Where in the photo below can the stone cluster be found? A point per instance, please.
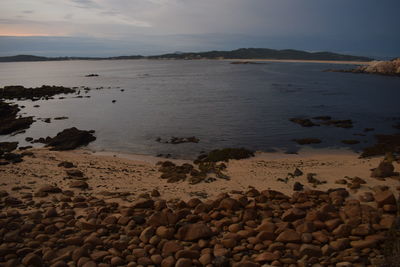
(253, 228)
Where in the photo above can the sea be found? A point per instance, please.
(134, 103)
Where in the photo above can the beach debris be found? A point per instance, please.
(92, 75)
(179, 140)
(69, 139)
(307, 141)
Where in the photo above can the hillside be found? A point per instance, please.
(263, 53)
(242, 53)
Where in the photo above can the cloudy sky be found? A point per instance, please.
(126, 27)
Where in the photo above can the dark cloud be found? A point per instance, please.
(28, 11)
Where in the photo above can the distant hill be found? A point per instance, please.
(242, 53)
(263, 53)
(30, 58)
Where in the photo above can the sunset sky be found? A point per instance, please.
(126, 27)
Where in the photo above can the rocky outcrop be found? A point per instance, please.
(390, 68)
(10, 122)
(70, 139)
(21, 92)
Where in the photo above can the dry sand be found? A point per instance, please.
(109, 173)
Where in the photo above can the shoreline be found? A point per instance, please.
(137, 174)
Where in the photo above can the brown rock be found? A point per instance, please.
(361, 244)
(32, 259)
(171, 247)
(79, 184)
(205, 259)
(146, 234)
(143, 204)
(183, 263)
(187, 253)
(49, 189)
(289, 235)
(310, 251)
(293, 214)
(384, 198)
(229, 204)
(191, 232)
(384, 169)
(267, 256)
(168, 262)
(98, 255)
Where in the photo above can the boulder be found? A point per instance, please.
(191, 232)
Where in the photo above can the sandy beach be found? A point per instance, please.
(133, 175)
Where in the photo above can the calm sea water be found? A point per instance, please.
(224, 105)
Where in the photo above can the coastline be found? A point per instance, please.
(133, 175)
(301, 61)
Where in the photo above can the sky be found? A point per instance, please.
(148, 27)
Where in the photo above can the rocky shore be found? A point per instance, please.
(79, 209)
(389, 68)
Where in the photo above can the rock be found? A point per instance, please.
(267, 256)
(297, 172)
(384, 198)
(303, 122)
(70, 139)
(293, 214)
(8, 146)
(307, 141)
(298, 186)
(171, 247)
(384, 169)
(32, 259)
(143, 204)
(98, 255)
(361, 244)
(191, 232)
(168, 262)
(229, 204)
(310, 251)
(205, 259)
(147, 234)
(79, 184)
(289, 235)
(74, 173)
(49, 189)
(183, 263)
(66, 164)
